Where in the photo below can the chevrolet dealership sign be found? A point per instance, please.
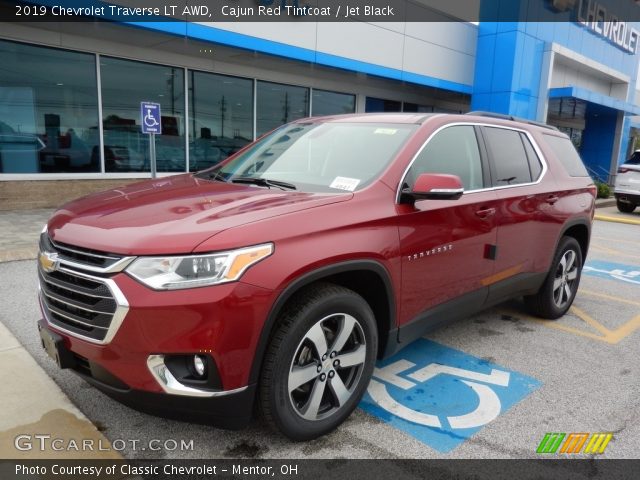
(597, 18)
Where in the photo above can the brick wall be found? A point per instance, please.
(24, 195)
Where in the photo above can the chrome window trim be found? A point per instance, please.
(536, 148)
(170, 385)
(122, 308)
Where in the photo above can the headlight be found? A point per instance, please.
(172, 273)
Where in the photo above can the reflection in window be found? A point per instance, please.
(382, 105)
(278, 104)
(453, 151)
(48, 110)
(220, 117)
(509, 157)
(124, 85)
(416, 108)
(332, 103)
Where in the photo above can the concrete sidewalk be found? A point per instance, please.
(32, 404)
(19, 230)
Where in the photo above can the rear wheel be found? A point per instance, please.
(625, 207)
(318, 363)
(559, 289)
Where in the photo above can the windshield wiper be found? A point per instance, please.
(263, 182)
(210, 176)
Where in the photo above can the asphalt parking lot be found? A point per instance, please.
(490, 386)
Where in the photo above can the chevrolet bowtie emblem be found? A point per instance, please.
(48, 261)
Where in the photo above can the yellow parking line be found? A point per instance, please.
(607, 218)
(605, 335)
(608, 297)
(616, 253)
(615, 240)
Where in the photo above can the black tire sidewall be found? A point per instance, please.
(284, 415)
(625, 207)
(567, 243)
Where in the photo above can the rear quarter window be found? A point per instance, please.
(567, 155)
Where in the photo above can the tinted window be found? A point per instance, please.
(332, 103)
(534, 162)
(48, 110)
(381, 105)
(220, 117)
(453, 150)
(510, 164)
(278, 104)
(566, 153)
(124, 85)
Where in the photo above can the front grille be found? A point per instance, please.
(76, 292)
(81, 305)
(84, 256)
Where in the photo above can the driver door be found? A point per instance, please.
(447, 245)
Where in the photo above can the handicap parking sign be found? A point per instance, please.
(150, 117)
(442, 396)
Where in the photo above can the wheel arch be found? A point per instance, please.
(580, 229)
(368, 278)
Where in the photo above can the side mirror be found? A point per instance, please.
(435, 186)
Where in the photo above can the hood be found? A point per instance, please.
(172, 215)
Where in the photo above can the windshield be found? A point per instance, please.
(317, 157)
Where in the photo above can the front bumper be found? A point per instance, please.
(223, 322)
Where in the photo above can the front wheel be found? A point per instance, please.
(625, 207)
(319, 362)
(561, 285)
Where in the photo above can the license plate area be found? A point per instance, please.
(53, 344)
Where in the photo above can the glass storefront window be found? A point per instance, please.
(332, 103)
(278, 104)
(220, 117)
(382, 105)
(48, 110)
(125, 84)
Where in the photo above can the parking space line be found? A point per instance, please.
(606, 335)
(616, 253)
(608, 297)
(607, 218)
(616, 240)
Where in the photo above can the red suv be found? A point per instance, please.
(278, 277)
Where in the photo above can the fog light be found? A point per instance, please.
(199, 365)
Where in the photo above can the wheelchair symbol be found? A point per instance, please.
(149, 120)
(487, 410)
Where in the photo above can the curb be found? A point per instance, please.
(605, 202)
(606, 218)
(33, 404)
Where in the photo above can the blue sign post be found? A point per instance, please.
(151, 121)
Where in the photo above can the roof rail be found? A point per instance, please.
(502, 116)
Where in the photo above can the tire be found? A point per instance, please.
(559, 288)
(625, 207)
(300, 394)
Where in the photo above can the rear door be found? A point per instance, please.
(445, 243)
(526, 229)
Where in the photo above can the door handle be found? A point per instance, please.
(486, 212)
(551, 199)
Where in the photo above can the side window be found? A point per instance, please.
(510, 164)
(567, 155)
(453, 150)
(534, 161)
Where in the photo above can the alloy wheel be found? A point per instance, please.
(327, 366)
(565, 279)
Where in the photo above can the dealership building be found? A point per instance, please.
(70, 93)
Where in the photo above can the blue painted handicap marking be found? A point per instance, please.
(613, 271)
(442, 396)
